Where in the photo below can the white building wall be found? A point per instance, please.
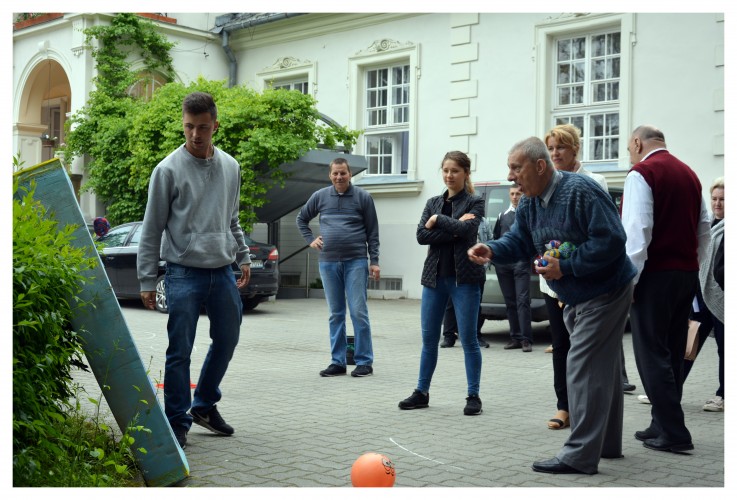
(480, 89)
(197, 52)
(678, 63)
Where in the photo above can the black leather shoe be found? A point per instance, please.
(628, 387)
(662, 444)
(555, 466)
(483, 343)
(646, 434)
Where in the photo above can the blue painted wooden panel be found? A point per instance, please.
(109, 347)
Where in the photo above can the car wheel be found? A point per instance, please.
(250, 304)
(161, 295)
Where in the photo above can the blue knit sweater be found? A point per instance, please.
(348, 224)
(581, 212)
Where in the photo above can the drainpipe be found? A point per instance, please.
(232, 62)
(228, 28)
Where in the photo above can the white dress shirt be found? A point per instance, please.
(637, 219)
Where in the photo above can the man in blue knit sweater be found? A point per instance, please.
(595, 283)
(349, 252)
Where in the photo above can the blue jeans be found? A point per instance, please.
(187, 290)
(348, 280)
(466, 299)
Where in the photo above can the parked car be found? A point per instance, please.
(496, 196)
(120, 252)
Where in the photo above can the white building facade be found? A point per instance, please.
(419, 85)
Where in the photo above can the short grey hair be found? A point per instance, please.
(534, 149)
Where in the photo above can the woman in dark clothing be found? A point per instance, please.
(449, 225)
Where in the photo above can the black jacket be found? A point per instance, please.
(462, 235)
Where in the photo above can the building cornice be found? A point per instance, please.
(307, 26)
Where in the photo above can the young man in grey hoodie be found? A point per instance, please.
(191, 222)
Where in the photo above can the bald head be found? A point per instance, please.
(644, 139)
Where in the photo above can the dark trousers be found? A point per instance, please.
(561, 341)
(561, 345)
(708, 322)
(450, 325)
(514, 281)
(659, 319)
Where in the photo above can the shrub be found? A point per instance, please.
(46, 280)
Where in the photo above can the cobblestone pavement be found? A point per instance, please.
(295, 428)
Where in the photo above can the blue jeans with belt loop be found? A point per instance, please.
(187, 290)
(348, 281)
(466, 299)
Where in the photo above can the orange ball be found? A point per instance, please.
(373, 470)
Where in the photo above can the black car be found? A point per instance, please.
(496, 197)
(119, 254)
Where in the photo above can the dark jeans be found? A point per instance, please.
(561, 344)
(514, 281)
(708, 322)
(187, 290)
(450, 325)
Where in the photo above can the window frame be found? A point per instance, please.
(149, 81)
(289, 70)
(547, 35)
(386, 54)
(280, 84)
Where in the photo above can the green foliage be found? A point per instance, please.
(53, 443)
(101, 127)
(261, 131)
(46, 280)
(24, 16)
(127, 34)
(125, 138)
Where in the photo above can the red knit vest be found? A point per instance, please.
(677, 208)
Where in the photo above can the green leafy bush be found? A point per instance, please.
(47, 277)
(124, 138)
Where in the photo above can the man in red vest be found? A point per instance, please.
(667, 226)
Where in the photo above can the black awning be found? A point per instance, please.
(306, 175)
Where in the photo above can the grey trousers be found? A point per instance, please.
(593, 369)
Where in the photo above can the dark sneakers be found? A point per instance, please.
(333, 370)
(181, 434)
(415, 401)
(212, 421)
(513, 344)
(483, 343)
(448, 341)
(473, 405)
(526, 346)
(362, 371)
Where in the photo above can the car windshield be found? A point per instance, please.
(116, 237)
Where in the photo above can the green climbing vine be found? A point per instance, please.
(125, 137)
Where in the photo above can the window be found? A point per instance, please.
(387, 119)
(290, 73)
(587, 78)
(116, 237)
(383, 90)
(146, 85)
(298, 85)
